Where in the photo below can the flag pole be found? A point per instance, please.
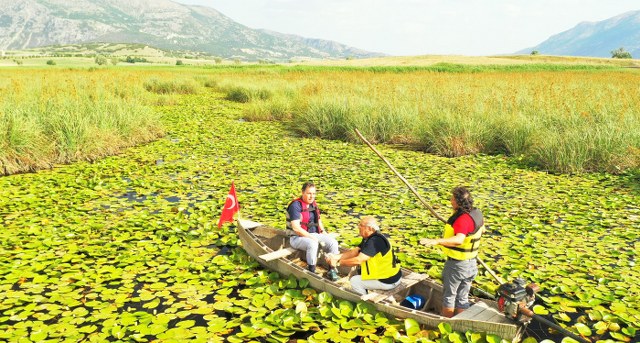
(230, 207)
(237, 202)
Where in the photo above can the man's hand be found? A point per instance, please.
(332, 259)
(427, 242)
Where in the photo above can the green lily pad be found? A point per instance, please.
(411, 326)
(583, 329)
(540, 310)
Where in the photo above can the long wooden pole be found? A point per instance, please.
(401, 177)
(499, 279)
(421, 199)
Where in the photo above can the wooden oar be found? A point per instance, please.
(420, 198)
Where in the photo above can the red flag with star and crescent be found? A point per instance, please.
(230, 208)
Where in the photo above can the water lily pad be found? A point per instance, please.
(583, 329)
(445, 328)
(89, 256)
(411, 326)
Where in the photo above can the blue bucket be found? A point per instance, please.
(413, 301)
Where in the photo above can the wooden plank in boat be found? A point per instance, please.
(407, 281)
(374, 296)
(274, 255)
(472, 311)
(492, 315)
(248, 224)
(416, 277)
(479, 311)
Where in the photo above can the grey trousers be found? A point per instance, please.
(456, 281)
(361, 286)
(311, 246)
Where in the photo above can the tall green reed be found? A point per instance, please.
(68, 116)
(561, 119)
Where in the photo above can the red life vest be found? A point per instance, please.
(304, 215)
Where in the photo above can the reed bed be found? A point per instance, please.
(557, 118)
(64, 115)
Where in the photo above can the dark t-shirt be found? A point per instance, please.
(295, 213)
(376, 244)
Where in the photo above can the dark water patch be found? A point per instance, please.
(223, 314)
(198, 318)
(172, 199)
(17, 285)
(303, 335)
(135, 197)
(542, 331)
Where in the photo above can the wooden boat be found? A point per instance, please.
(270, 247)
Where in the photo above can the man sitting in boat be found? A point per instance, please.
(303, 217)
(460, 242)
(378, 266)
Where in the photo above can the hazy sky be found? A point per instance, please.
(421, 27)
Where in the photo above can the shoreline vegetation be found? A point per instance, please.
(60, 116)
(560, 118)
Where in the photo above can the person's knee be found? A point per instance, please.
(312, 246)
(356, 285)
(334, 246)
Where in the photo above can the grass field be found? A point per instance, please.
(559, 118)
(427, 60)
(563, 115)
(61, 115)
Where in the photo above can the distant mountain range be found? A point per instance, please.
(171, 26)
(160, 23)
(595, 39)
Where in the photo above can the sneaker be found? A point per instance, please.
(312, 268)
(332, 274)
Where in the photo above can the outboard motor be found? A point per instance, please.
(515, 299)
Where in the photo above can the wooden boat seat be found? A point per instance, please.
(274, 255)
(480, 311)
(406, 282)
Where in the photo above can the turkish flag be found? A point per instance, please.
(230, 208)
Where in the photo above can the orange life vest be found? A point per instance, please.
(305, 215)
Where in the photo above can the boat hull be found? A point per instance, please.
(260, 240)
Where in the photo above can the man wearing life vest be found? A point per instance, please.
(303, 217)
(460, 242)
(378, 266)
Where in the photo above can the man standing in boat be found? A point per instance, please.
(378, 266)
(303, 217)
(460, 242)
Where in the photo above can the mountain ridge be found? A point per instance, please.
(595, 39)
(172, 26)
(161, 23)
